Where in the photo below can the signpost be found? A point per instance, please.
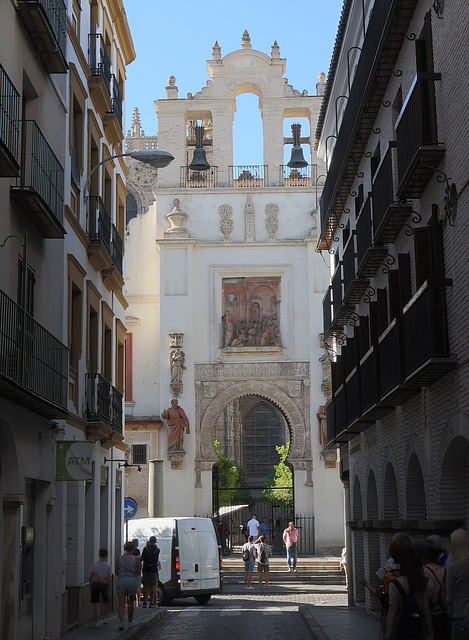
(130, 510)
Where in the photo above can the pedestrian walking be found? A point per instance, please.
(457, 585)
(264, 529)
(263, 552)
(150, 567)
(128, 580)
(253, 526)
(290, 540)
(248, 551)
(137, 553)
(100, 586)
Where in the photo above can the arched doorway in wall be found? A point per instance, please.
(416, 508)
(455, 481)
(249, 431)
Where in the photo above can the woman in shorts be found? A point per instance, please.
(128, 582)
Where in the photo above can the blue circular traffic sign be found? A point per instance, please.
(130, 508)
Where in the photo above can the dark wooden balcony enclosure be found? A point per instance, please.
(9, 127)
(380, 49)
(412, 353)
(39, 192)
(46, 23)
(354, 286)
(369, 255)
(113, 117)
(389, 215)
(341, 311)
(113, 276)
(418, 151)
(33, 363)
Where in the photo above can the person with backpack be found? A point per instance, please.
(248, 551)
(457, 585)
(263, 552)
(151, 565)
(409, 615)
(436, 573)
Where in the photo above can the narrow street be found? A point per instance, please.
(241, 614)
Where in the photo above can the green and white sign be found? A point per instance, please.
(74, 460)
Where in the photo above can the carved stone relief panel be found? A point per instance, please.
(225, 211)
(251, 308)
(271, 219)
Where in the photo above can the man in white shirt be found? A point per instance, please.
(254, 527)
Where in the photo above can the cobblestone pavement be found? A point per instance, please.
(239, 615)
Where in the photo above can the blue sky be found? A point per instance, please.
(176, 38)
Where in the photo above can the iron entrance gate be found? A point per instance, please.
(236, 512)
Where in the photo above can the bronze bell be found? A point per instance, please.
(297, 160)
(199, 160)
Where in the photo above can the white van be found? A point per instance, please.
(190, 555)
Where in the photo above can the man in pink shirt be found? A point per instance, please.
(290, 540)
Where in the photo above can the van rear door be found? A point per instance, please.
(198, 555)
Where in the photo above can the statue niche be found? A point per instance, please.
(251, 312)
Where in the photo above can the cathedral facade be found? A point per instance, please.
(225, 289)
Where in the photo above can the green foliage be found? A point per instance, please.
(280, 481)
(228, 479)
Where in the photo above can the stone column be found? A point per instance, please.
(171, 137)
(155, 489)
(222, 120)
(272, 120)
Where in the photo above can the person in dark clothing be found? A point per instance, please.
(151, 564)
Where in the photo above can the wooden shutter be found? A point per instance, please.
(382, 310)
(405, 285)
(394, 299)
(423, 254)
(374, 329)
(364, 335)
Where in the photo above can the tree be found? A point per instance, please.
(280, 481)
(226, 487)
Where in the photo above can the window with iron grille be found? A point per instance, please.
(139, 454)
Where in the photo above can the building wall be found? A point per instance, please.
(416, 454)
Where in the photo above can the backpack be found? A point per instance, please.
(150, 560)
(410, 623)
(246, 554)
(389, 576)
(440, 617)
(262, 554)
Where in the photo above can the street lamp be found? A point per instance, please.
(154, 157)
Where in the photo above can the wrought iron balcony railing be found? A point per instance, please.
(46, 22)
(248, 175)
(32, 357)
(98, 399)
(99, 222)
(116, 410)
(9, 126)
(103, 402)
(116, 99)
(98, 59)
(40, 192)
(116, 249)
(304, 177)
(198, 179)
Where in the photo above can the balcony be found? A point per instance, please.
(40, 192)
(33, 363)
(9, 127)
(190, 179)
(100, 67)
(46, 23)
(103, 409)
(369, 255)
(354, 285)
(389, 216)
(99, 234)
(418, 151)
(248, 176)
(385, 32)
(341, 310)
(427, 356)
(304, 177)
(112, 277)
(113, 117)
